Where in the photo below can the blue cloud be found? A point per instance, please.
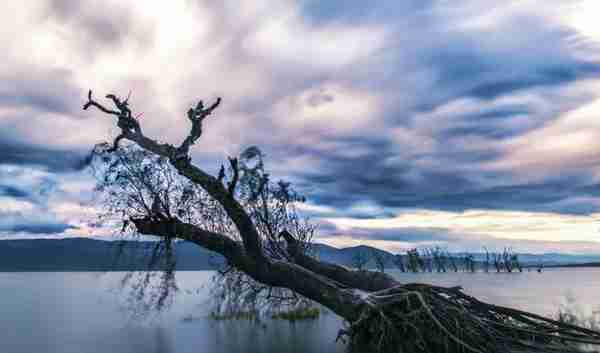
(14, 192)
(37, 229)
(56, 160)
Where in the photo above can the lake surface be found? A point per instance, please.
(82, 312)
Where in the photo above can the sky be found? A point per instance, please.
(417, 123)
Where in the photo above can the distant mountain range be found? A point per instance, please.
(84, 254)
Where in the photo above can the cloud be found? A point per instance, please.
(468, 231)
(328, 109)
(36, 201)
(402, 235)
(370, 109)
(499, 224)
(568, 143)
(37, 229)
(13, 192)
(54, 159)
(23, 90)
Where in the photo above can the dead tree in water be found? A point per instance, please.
(360, 259)
(379, 259)
(486, 264)
(438, 258)
(426, 260)
(516, 262)
(399, 262)
(415, 263)
(497, 262)
(381, 313)
(507, 260)
(452, 260)
(469, 263)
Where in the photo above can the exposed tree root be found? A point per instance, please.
(424, 318)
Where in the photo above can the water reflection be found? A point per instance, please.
(76, 312)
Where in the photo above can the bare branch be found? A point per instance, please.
(92, 102)
(196, 116)
(233, 162)
(212, 107)
(221, 174)
(115, 145)
(121, 105)
(125, 121)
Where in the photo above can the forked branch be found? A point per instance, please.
(126, 122)
(196, 116)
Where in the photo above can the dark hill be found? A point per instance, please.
(84, 254)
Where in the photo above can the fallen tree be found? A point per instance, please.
(382, 314)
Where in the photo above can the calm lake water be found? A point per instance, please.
(81, 312)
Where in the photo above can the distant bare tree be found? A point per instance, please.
(486, 264)
(438, 258)
(514, 258)
(399, 262)
(426, 262)
(497, 262)
(360, 259)
(507, 260)
(415, 264)
(379, 259)
(452, 260)
(469, 263)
